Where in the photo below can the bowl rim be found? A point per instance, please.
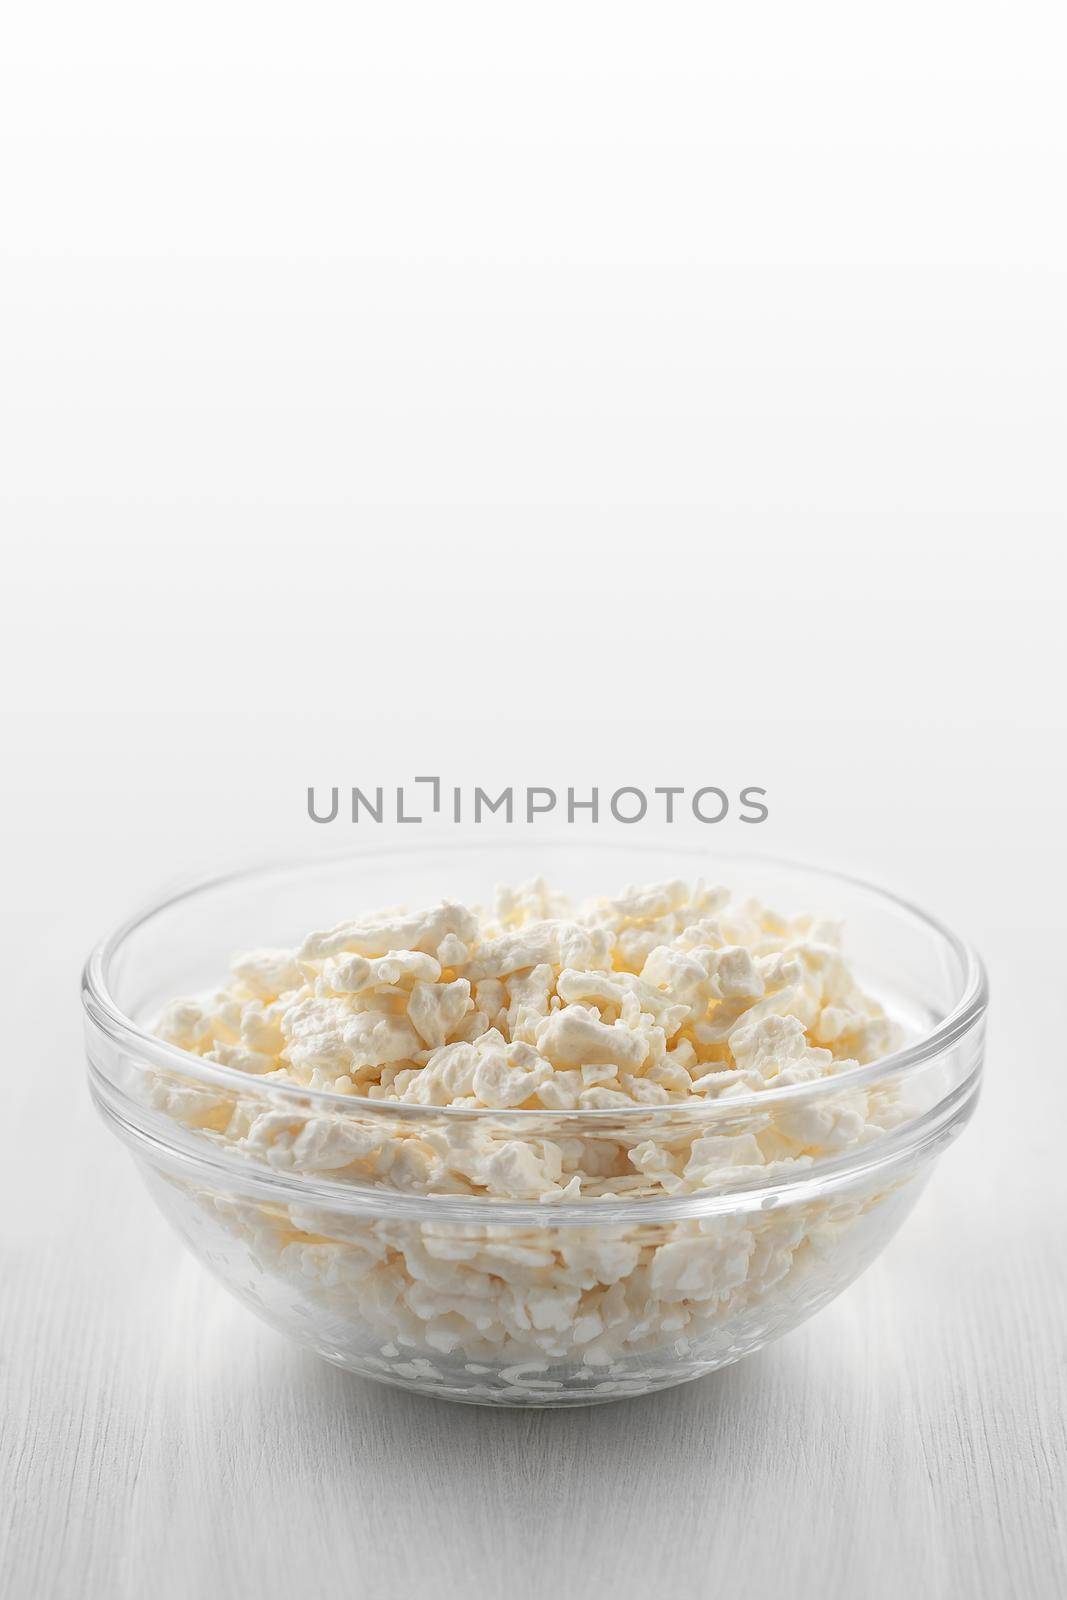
(104, 1012)
(176, 1151)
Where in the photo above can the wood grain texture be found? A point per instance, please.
(910, 1441)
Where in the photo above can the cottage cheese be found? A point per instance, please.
(659, 1008)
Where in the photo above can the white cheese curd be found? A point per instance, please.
(664, 1005)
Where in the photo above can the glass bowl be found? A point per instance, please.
(504, 1298)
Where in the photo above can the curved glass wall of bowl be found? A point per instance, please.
(509, 1300)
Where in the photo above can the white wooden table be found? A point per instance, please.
(908, 1442)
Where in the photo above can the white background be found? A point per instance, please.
(574, 395)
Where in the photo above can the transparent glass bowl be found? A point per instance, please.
(506, 1299)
